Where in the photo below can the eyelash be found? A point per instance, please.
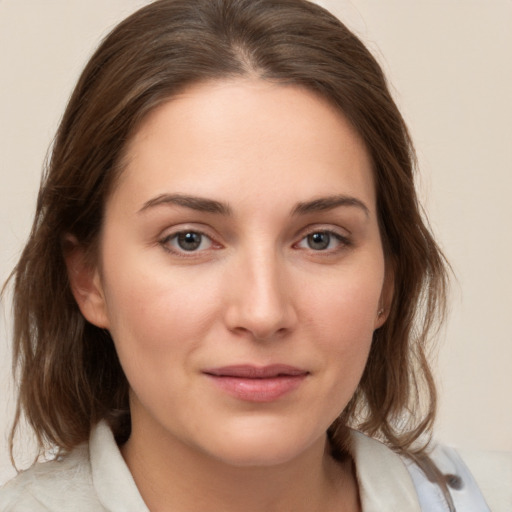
(183, 253)
(343, 242)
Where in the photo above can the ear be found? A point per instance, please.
(85, 282)
(386, 296)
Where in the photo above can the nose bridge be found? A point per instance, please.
(261, 303)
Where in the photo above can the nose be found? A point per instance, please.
(260, 300)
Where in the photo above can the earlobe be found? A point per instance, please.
(382, 316)
(85, 283)
(386, 297)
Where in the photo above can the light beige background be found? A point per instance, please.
(451, 68)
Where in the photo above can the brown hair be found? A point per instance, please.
(68, 371)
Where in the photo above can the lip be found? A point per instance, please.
(257, 383)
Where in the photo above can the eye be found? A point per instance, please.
(187, 241)
(322, 241)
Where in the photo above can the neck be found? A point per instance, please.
(177, 477)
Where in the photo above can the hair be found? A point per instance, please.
(67, 369)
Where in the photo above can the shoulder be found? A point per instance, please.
(476, 481)
(493, 473)
(383, 478)
(63, 484)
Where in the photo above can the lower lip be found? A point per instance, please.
(258, 390)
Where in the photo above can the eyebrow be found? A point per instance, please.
(329, 203)
(200, 204)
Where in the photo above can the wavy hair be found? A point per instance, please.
(68, 372)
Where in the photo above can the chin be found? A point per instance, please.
(258, 446)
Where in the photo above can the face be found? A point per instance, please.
(241, 270)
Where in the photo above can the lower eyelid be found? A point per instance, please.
(342, 238)
(166, 240)
(344, 241)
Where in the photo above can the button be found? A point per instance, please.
(454, 481)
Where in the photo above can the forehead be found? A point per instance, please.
(262, 134)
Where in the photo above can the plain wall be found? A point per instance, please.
(450, 66)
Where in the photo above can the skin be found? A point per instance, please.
(257, 290)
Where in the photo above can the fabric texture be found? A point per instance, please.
(95, 478)
(493, 472)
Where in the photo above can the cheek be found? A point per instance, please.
(342, 315)
(156, 313)
(346, 304)
(158, 325)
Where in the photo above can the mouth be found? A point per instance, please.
(257, 383)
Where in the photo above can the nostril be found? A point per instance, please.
(260, 331)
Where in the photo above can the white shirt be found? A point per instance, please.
(95, 478)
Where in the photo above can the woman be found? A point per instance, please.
(227, 270)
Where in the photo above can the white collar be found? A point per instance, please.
(385, 484)
(112, 480)
(384, 481)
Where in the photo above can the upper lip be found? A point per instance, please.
(248, 371)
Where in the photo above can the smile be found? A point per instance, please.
(257, 384)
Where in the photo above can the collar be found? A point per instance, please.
(112, 480)
(385, 484)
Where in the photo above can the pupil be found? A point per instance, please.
(189, 241)
(319, 241)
